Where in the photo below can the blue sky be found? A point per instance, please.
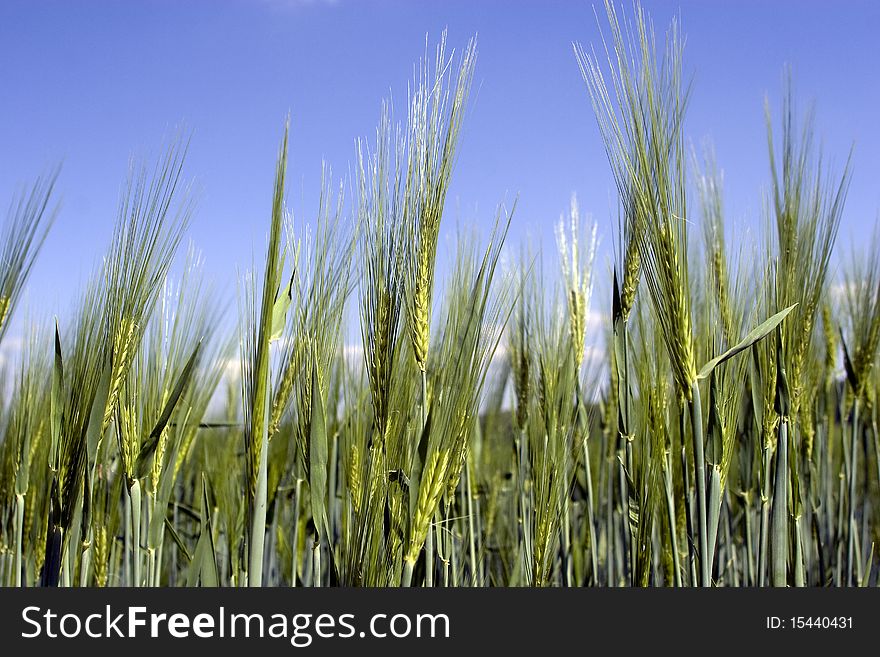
(92, 83)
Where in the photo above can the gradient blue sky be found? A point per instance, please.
(92, 83)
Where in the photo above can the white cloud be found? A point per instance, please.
(10, 352)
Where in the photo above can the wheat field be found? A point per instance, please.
(727, 434)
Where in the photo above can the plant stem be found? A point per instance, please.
(670, 514)
(590, 519)
(429, 541)
(689, 518)
(408, 565)
(258, 527)
(471, 532)
(316, 563)
(779, 520)
(714, 511)
(19, 526)
(151, 567)
(750, 563)
(799, 574)
(134, 494)
(429, 556)
(127, 575)
(853, 461)
(294, 559)
(85, 561)
(700, 476)
(765, 519)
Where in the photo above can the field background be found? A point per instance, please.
(466, 338)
